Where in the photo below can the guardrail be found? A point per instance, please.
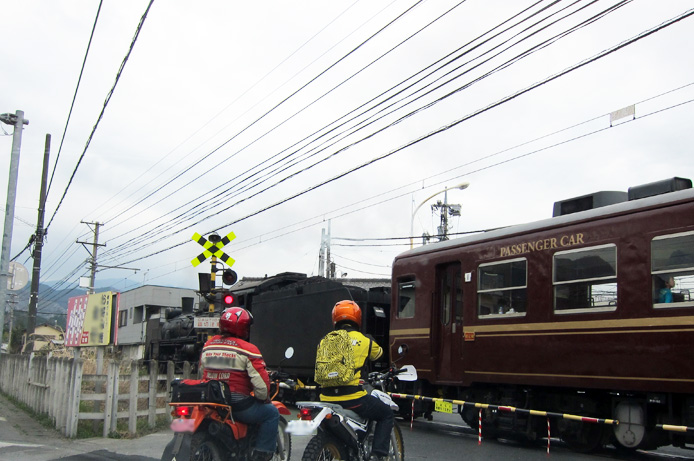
(60, 389)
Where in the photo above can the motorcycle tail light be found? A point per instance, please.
(182, 411)
(305, 414)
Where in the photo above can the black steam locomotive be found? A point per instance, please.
(289, 309)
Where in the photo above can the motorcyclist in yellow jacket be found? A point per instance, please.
(347, 315)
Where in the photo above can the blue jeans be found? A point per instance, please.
(372, 408)
(266, 416)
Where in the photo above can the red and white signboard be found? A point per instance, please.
(89, 319)
(76, 310)
(206, 322)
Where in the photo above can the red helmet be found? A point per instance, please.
(236, 321)
(347, 311)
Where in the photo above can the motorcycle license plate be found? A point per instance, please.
(183, 425)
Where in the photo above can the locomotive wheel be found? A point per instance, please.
(284, 442)
(204, 448)
(583, 437)
(324, 448)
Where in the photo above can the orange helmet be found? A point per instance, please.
(347, 311)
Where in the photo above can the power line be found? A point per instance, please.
(108, 98)
(452, 124)
(74, 97)
(210, 206)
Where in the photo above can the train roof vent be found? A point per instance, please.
(659, 187)
(588, 202)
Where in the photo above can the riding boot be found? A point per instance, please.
(262, 455)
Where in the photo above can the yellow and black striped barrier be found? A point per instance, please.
(670, 427)
(584, 419)
(484, 406)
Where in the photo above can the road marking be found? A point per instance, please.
(17, 444)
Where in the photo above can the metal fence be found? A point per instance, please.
(60, 389)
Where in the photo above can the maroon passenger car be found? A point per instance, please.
(574, 314)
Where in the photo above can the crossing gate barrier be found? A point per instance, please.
(510, 409)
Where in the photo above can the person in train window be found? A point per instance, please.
(665, 294)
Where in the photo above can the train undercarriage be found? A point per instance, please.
(640, 417)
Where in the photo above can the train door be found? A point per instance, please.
(448, 303)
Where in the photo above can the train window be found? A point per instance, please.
(501, 288)
(450, 293)
(445, 293)
(585, 280)
(458, 298)
(672, 270)
(406, 291)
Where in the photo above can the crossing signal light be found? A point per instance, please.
(228, 299)
(225, 299)
(229, 277)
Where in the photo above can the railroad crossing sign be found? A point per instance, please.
(213, 249)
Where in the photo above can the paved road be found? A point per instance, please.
(23, 439)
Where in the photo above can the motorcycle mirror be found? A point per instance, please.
(289, 353)
(402, 349)
(407, 373)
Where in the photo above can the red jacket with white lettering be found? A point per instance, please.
(236, 362)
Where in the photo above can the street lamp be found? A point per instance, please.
(460, 186)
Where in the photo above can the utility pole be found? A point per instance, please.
(446, 209)
(13, 303)
(18, 121)
(38, 242)
(324, 266)
(321, 254)
(95, 245)
(327, 253)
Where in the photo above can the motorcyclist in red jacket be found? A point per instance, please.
(229, 357)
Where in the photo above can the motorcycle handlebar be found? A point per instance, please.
(376, 376)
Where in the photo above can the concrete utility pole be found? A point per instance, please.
(38, 242)
(446, 209)
(95, 245)
(327, 254)
(321, 254)
(18, 121)
(324, 267)
(444, 219)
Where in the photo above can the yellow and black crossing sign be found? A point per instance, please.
(213, 249)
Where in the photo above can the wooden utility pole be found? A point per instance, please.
(38, 243)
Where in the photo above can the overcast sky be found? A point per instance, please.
(271, 119)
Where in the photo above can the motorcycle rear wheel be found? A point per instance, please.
(324, 448)
(204, 448)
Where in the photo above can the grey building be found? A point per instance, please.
(143, 309)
